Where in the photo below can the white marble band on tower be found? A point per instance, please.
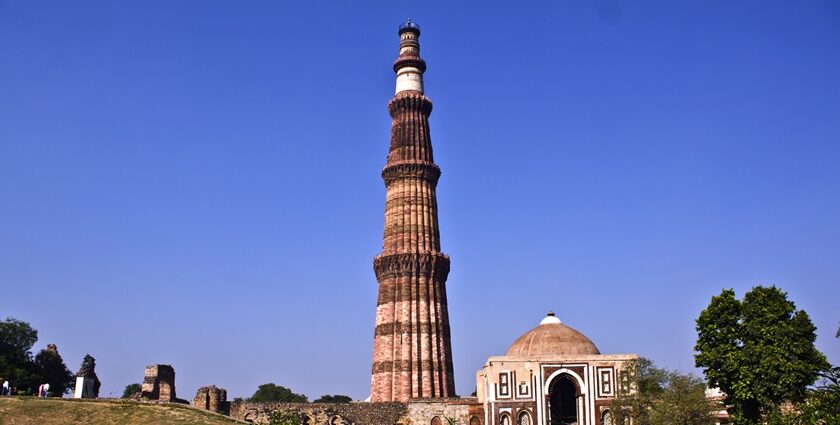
(409, 66)
(409, 78)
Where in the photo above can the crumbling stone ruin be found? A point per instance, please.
(213, 399)
(87, 383)
(418, 411)
(159, 383)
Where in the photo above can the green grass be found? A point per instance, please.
(57, 411)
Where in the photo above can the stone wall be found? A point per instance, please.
(323, 413)
(465, 411)
(159, 383)
(213, 399)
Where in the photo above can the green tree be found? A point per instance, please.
(16, 340)
(285, 417)
(822, 404)
(130, 390)
(51, 368)
(759, 351)
(333, 399)
(649, 395)
(276, 393)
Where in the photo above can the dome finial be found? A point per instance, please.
(409, 25)
(550, 319)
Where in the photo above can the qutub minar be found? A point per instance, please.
(412, 354)
(551, 375)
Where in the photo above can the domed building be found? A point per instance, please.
(551, 375)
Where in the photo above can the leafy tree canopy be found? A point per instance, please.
(276, 393)
(760, 351)
(822, 404)
(333, 399)
(653, 396)
(16, 339)
(131, 389)
(52, 370)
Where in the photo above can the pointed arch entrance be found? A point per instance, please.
(563, 401)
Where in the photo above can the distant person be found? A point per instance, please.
(41, 390)
(6, 390)
(47, 389)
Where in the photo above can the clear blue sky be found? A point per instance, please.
(197, 183)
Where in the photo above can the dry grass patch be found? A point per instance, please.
(56, 411)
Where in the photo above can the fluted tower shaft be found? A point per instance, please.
(412, 354)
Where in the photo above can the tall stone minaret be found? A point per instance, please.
(412, 354)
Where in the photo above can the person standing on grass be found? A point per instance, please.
(6, 388)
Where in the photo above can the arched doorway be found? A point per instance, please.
(562, 401)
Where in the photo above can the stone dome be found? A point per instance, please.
(550, 338)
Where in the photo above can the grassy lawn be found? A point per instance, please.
(56, 411)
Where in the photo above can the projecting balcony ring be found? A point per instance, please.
(412, 61)
(411, 169)
(409, 101)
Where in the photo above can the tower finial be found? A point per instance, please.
(409, 25)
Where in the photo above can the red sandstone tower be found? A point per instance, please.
(412, 354)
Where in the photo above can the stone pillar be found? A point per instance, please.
(412, 355)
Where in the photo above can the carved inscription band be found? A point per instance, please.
(402, 366)
(410, 291)
(406, 328)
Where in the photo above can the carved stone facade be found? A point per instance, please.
(213, 399)
(551, 375)
(159, 383)
(412, 354)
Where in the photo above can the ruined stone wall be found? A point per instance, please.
(324, 413)
(159, 383)
(213, 399)
(465, 411)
